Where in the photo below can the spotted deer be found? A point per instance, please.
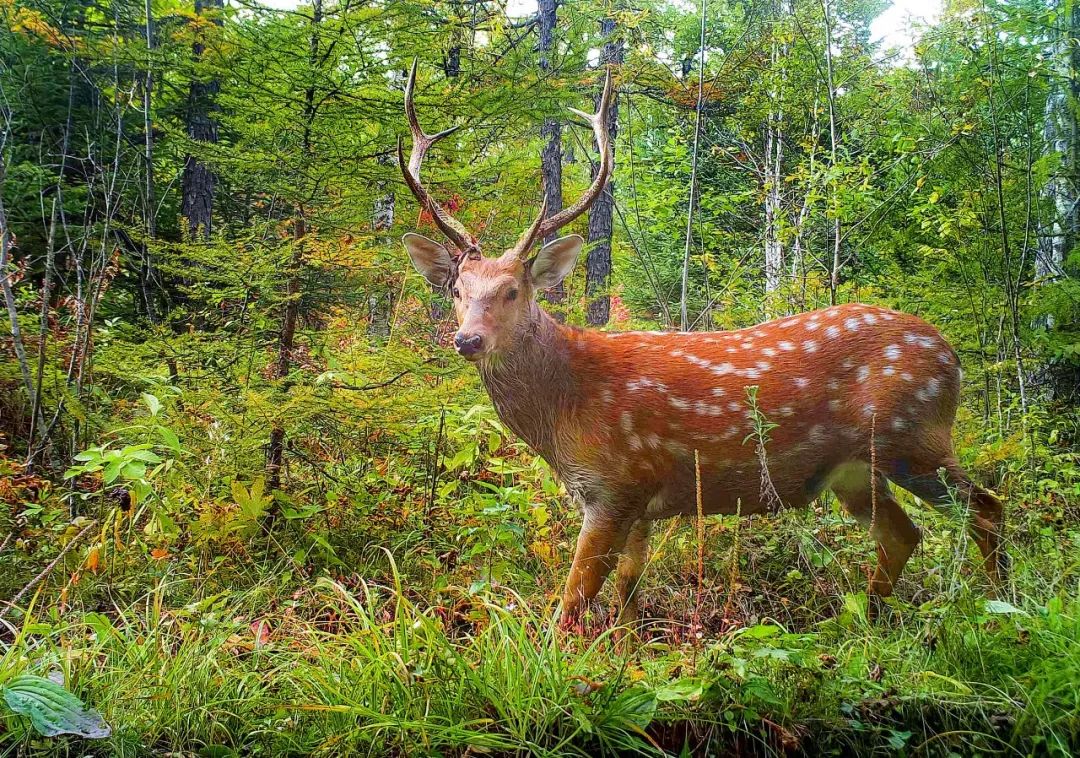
(861, 396)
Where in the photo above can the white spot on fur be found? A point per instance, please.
(834, 405)
(769, 351)
(678, 403)
(802, 382)
(633, 441)
(833, 384)
(788, 323)
(707, 409)
(863, 373)
(786, 411)
(832, 332)
(607, 396)
(906, 376)
(917, 339)
(810, 346)
(718, 391)
(848, 364)
(898, 424)
(869, 318)
(763, 365)
(892, 352)
(733, 406)
(747, 345)
(888, 370)
(852, 324)
(944, 357)
(626, 421)
(786, 346)
(869, 409)
(812, 325)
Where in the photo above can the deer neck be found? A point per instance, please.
(531, 384)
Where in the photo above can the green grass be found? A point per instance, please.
(385, 667)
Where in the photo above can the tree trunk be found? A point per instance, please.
(1059, 234)
(598, 262)
(199, 182)
(773, 174)
(275, 454)
(146, 270)
(551, 157)
(834, 138)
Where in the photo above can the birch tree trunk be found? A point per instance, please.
(774, 157)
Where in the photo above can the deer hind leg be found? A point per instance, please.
(631, 566)
(599, 544)
(943, 483)
(868, 499)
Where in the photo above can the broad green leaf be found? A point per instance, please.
(681, 689)
(152, 403)
(1000, 606)
(52, 709)
(169, 437)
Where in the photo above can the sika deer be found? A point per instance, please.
(619, 416)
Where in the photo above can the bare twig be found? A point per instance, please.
(46, 571)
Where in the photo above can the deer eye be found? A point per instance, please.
(512, 295)
(456, 293)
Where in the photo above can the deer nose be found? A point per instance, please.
(468, 344)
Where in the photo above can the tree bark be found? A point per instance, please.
(551, 157)
(834, 139)
(598, 261)
(773, 174)
(199, 181)
(146, 270)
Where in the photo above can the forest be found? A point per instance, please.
(254, 503)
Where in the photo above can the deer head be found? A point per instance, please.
(495, 296)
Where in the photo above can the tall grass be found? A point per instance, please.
(369, 669)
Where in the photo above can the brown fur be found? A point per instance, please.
(619, 417)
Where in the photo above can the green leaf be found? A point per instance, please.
(133, 470)
(169, 437)
(679, 690)
(636, 706)
(152, 403)
(1000, 606)
(112, 471)
(52, 709)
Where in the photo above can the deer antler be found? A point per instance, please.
(450, 226)
(544, 227)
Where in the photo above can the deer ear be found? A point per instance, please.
(555, 261)
(430, 258)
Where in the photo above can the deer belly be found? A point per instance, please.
(791, 479)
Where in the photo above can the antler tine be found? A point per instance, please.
(422, 142)
(529, 236)
(598, 121)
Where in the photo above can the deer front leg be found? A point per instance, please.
(599, 543)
